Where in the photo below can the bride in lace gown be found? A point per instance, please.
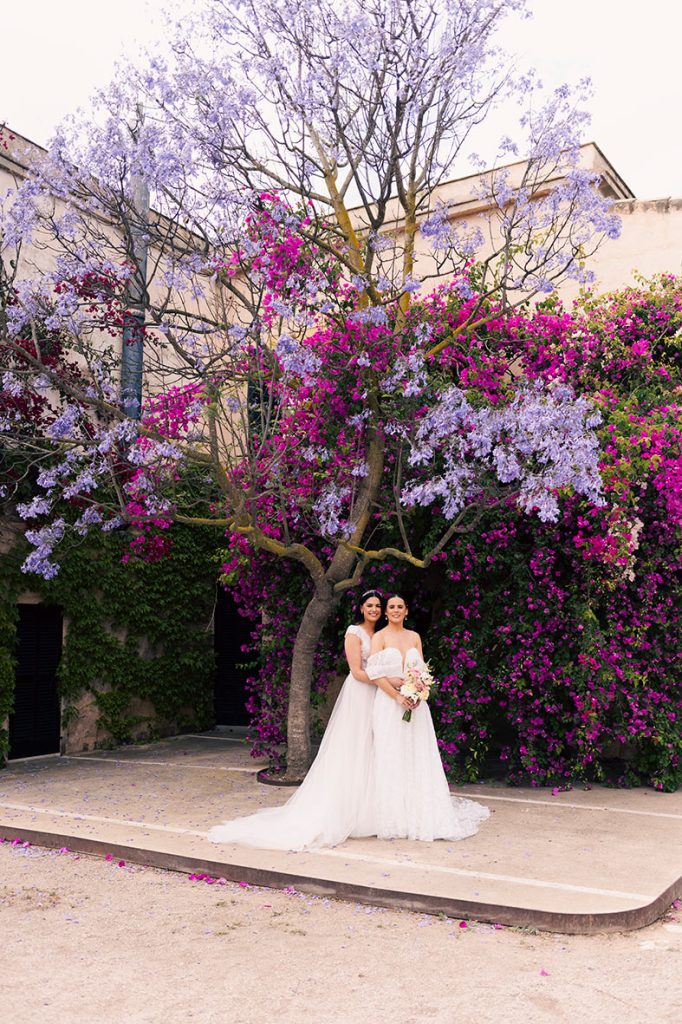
(374, 775)
(332, 800)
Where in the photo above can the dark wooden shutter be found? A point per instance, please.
(34, 725)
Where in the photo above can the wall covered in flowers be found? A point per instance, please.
(558, 645)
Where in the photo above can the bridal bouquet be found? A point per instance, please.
(417, 685)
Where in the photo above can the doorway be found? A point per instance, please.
(231, 632)
(34, 724)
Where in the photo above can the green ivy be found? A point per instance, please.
(135, 630)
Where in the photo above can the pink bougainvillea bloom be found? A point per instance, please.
(109, 856)
(463, 924)
(63, 849)
(121, 863)
(245, 885)
(544, 973)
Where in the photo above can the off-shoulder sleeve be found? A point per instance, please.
(384, 663)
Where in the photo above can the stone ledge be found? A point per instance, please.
(514, 917)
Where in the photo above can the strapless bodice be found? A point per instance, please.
(390, 662)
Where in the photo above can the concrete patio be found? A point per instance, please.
(575, 862)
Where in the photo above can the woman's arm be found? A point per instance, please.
(353, 649)
(395, 681)
(388, 685)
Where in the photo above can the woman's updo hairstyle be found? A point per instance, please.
(365, 597)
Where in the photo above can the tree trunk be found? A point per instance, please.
(298, 722)
(316, 615)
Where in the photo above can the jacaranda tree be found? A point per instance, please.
(246, 207)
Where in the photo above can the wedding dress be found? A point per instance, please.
(329, 803)
(410, 796)
(374, 775)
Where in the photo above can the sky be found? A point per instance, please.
(56, 54)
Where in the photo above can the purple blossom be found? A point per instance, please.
(91, 517)
(296, 359)
(12, 385)
(64, 427)
(38, 506)
(541, 439)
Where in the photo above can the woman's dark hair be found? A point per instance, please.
(400, 597)
(365, 597)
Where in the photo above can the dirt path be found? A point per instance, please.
(85, 940)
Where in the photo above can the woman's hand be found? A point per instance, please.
(395, 681)
(405, 702)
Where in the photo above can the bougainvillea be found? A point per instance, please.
(558, 644)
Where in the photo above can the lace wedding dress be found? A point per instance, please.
(374, 775)
(331, 800)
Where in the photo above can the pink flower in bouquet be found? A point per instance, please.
(417, 685)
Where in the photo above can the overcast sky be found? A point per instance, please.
(54, 54)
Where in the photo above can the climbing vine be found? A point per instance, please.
(140, 630)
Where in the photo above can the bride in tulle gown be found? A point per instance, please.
(374, 775)
(410, 797)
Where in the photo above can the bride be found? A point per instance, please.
(410, 796)
(330, 802)
(374, 775)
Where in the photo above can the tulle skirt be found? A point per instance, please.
(332, 799)
(374, 775)
(410, 796)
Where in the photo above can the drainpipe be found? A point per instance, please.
(133, 318)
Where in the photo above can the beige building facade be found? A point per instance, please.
(650, 242)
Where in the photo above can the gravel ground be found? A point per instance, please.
(97, 941)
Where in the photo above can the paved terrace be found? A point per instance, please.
(577, 862)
